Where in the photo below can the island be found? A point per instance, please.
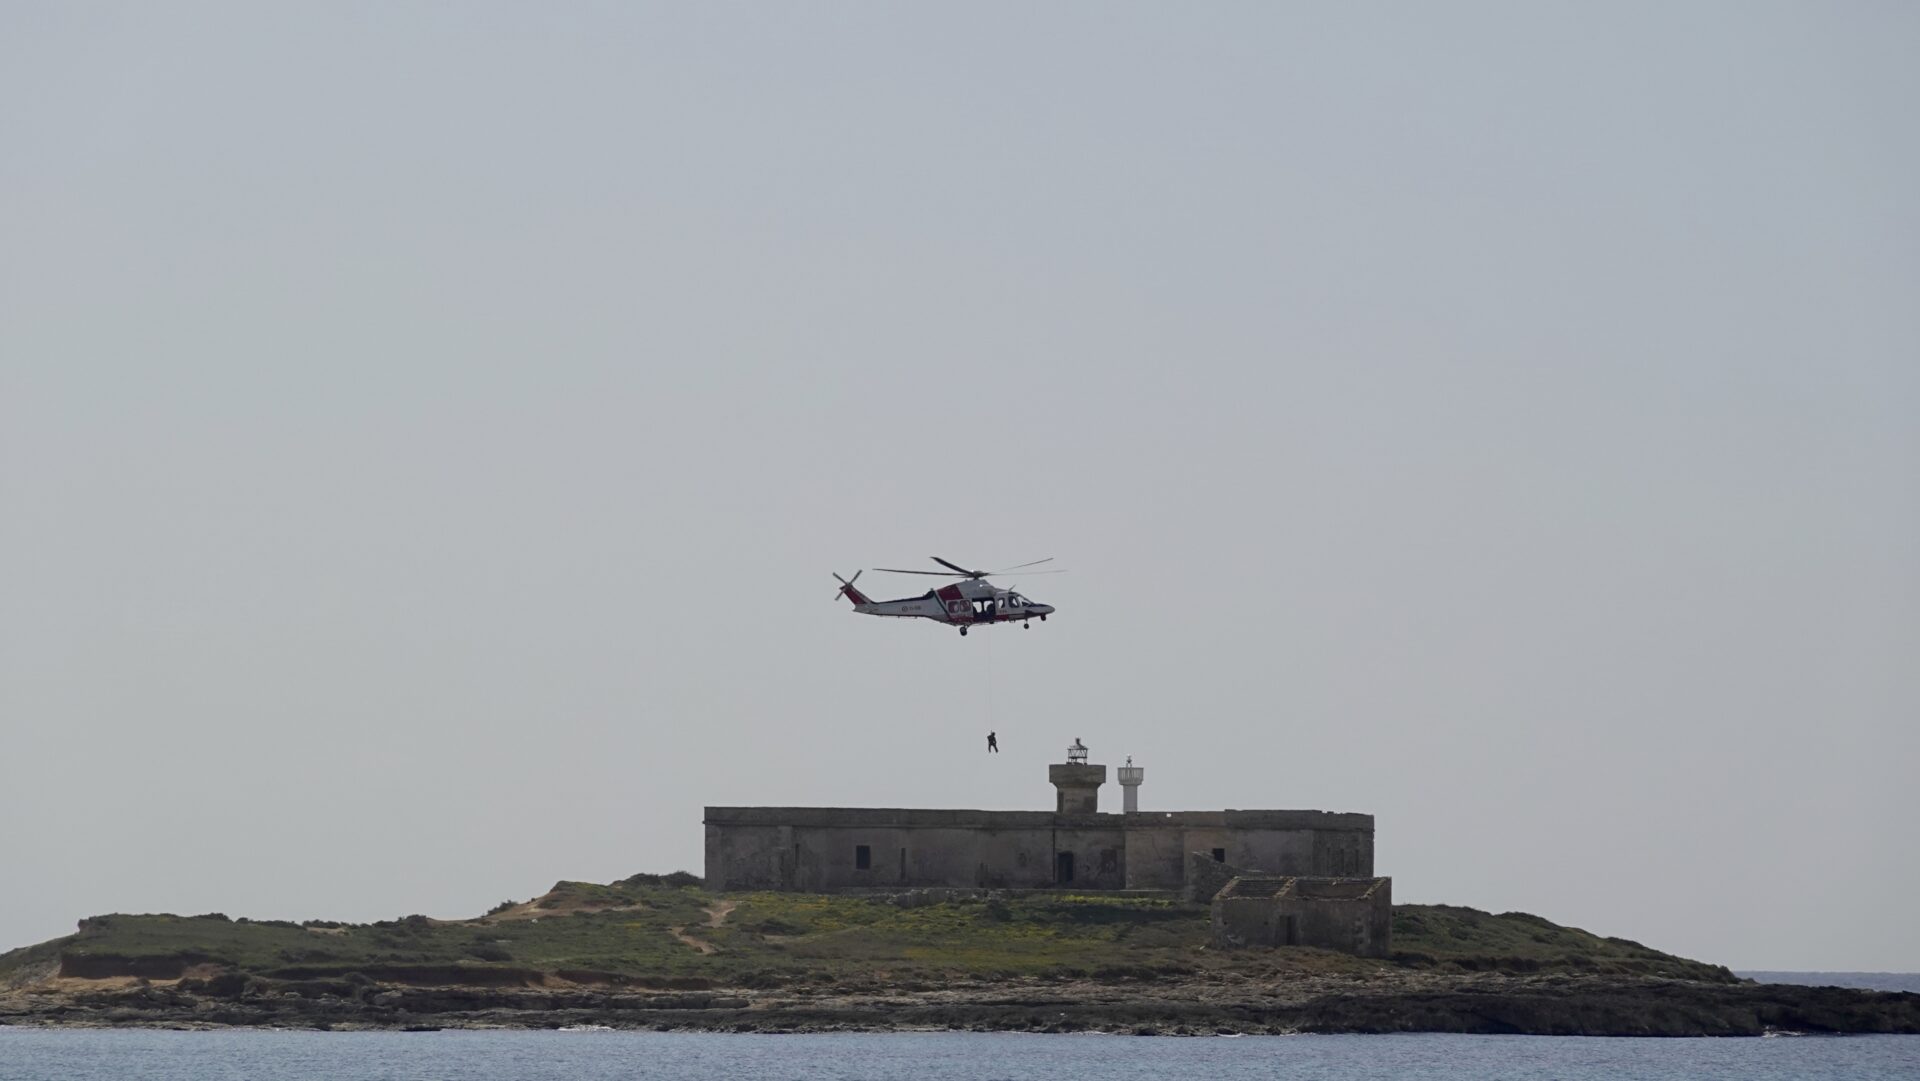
(667, 952)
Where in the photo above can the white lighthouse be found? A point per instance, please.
(1130, 778)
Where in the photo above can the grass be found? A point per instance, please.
(1023, 936)
(1448, 936)
(626, 932)
(616, 929)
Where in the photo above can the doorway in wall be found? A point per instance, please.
(1063, 868)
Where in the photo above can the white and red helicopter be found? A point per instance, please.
(966, 603)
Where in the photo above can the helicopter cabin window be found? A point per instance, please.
(862, 858)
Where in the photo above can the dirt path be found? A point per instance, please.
(716, 916)
(699, 944)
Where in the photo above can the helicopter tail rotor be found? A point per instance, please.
(848, 591)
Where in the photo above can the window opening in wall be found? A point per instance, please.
(903, 865)
(862, 858)
(1063, 866)
(1219, 855)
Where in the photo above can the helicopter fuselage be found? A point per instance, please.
(962, 603)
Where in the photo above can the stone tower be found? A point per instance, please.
(1077, 782)
(1130, 778)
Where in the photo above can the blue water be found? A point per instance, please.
(253, 1055)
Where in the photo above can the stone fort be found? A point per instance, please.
(1074, 846)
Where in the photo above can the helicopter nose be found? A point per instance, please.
(1043, 609)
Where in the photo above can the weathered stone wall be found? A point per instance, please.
(1346, 854)
(749, 857)
(1098, 857)
(1242, 922)
(1156, 859)
(999, 851)
(1274, 842)
(1206, 877)
(815, 848)
(1353, 924)
(1078, 787)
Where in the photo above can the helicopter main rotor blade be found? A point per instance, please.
(940, 574)
(1016, 574)
(1017, 566)
(956, 566)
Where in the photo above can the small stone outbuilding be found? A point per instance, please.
(1352, 915)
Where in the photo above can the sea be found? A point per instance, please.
(500, 1055)
(592, 1054)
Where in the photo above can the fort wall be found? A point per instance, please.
(822, 849)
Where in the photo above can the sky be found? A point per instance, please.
(426, 432)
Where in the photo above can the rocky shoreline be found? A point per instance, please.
(1564, 1005)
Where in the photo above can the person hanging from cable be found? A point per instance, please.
(993, 745)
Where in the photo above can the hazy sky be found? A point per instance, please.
(426, 431)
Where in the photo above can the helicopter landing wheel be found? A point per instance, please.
(963, 632)
(1026, 625)
(1043, 619)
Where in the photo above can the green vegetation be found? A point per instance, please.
(1065, 935)
(1446, 936)
(666, 931)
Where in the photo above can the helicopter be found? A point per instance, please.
(966, 603)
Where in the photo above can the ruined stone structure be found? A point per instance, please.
(1206, 876)
(823, 849)
(1353, 915)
